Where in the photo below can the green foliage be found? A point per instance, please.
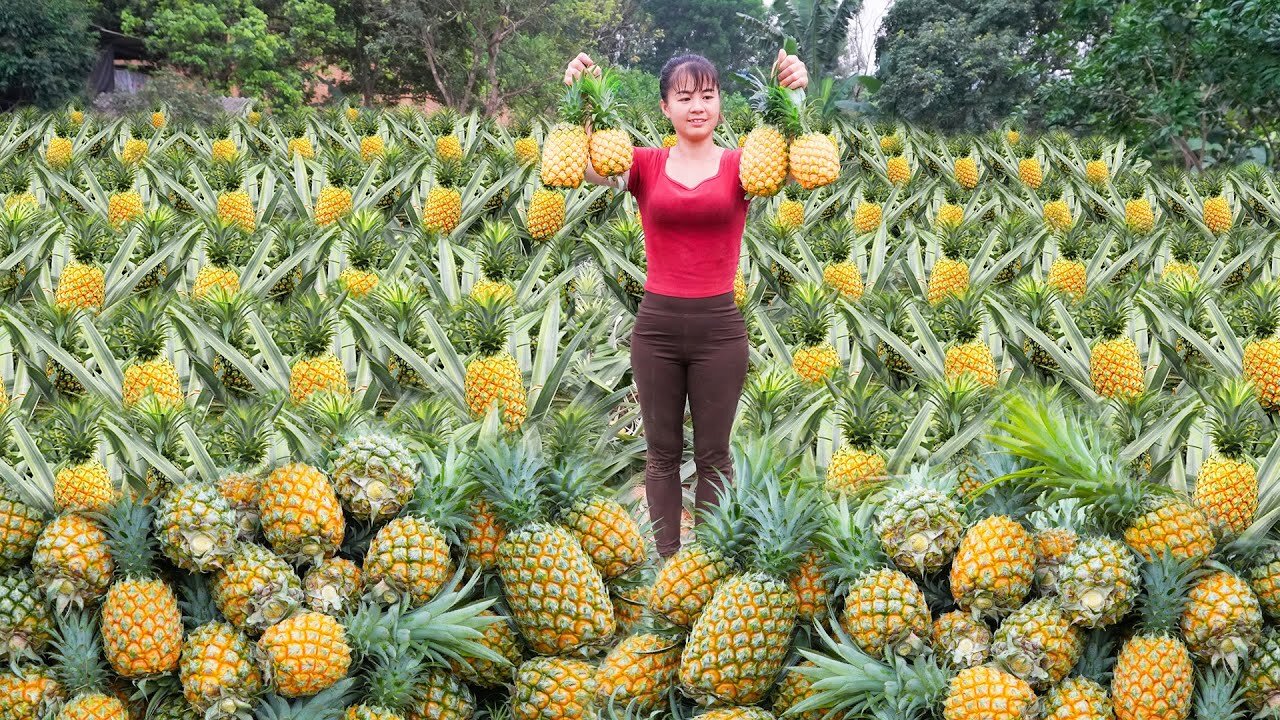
(711, 28)
(186, 100)
(956, 65)
(44, 57)
(1209, 100)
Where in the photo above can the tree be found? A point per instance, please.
(44, 58)
(714, 29)
(266, 48)
(957, 65)
(1179, 75)
(819, 27)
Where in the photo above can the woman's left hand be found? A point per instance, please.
(792, 74)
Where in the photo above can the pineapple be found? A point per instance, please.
(82, 282)
(74, 431)
(196, 526)
(1038, 643)
(1067, 274)
(764, 165)
(444, 697)
(869, 212)
(1096, 172)
(301, 517)
(334, 586)
(814, 360)
(525, 146)
(1029, 170)
(225, 248)
(1227, 485)
(342, 172)
(791, 208)
(1262, 349)
(782, 515)
(885, 613)
(1153, 676)
(842, 272)
(960, 639)
(950, 215)
(604, 528)
(866, 414)
(493, 377)
(1034, 299)
(374, 476)
(545, 215)
(988, 693)
(141, 623)
(1115, 367)
(1097, 582)
(639, 671)
(20, 526)
(1077, 698)
(498, 261)
(919, 523)
(1260, 680)
(255, 589)
(234, 204)
(964, 168)
(512, 478)
(792, 689)
(442, 124)
(1216, 211)
(950, 273)
(442, 210)
(25, 618)
(364, 237)
(566, 149)
(1221, 619)
(316, 368)
(149, 372)
(963, 314)
(1138, 216)
(217, 670)
(608, 145)
(59, 152)
(552, 688)
(410, 554)
(994, 566)
(81, 673)
(897, 170)
(124, 204)
(1182, 248)
(305, 654)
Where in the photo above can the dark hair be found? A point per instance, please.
(693, 69)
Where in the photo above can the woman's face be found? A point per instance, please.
(694, 114)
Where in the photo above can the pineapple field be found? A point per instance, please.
(328, 414)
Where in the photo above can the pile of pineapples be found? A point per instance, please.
(329, 414)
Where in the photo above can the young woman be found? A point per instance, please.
(689, 341)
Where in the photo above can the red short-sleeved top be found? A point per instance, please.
(692, 235)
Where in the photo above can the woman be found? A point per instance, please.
(689, 341)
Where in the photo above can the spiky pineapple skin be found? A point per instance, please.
(409, 555)
(217, 666)
(1030, 172)
(1172, 525)
(792, 688)
(1116, 370)
(845, 278)
(610, 151)
(1069, 277)
(71, 559)
(639, 669)
(1260, 678)
(157, 377)
(212, 276)
(483, 536)
(762, 168)
(987, 693)
(301, 516)
(334, 586)
(1217, 214)
(994, 566)
(333, 204)
(565, 153)
(867, 216)
(609, 534)
(93, 706)
(141, 628)
(86, 487)
(496, 379)
(1037, 643)
(28, 694)
(197, 527)
(373, 476)
(853, 468)
(548, 688)
(814, 363)
(256, 589)
(236, 206)
(1264, 578)
(321, 373)
(745, 676)
(920, 529)
(886, 611)
(1222, 619)
(1227, 490)
(898, 170)
(948, 277)
(546, 213)
(445, 697)
(814, 160)
(81, 286)
(25, 618)
(443, 210)
(556, 595)
(1097, 582)
(124, 207)
(305, 653)
(1077, 698)
(1262, 368)
(359, 283)
(812, 587)
(1153, 679)
(973, 358)
(1138, 216)
(20, 526)
(791, 213)
(965, 171)
(686, 582)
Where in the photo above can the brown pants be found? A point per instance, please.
(694, 349)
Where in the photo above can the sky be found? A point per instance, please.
(869, 17)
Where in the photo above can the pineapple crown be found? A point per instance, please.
(490, 322)
(73, 429)
(511, 476)
(394, 681)
(226, 244)
(442, 121)
(781, 508)
(59, 322)
(161, 423)
(451, 172)
(1131, 186)
(1076, 243)
(498, 258)
(15, 175)
(143, 327)
(365, 238)
(811, 304)
(1165, 584)
(78, 661)
(956, 243)
(963, 314)
(573, 433)
(334, 418)
(423, 423)
(957, 401)
(243, 434)
(116, 175)
(1187, 295)
(157, 225)
(767, 396)
(343, 168)
(1052, 188)
(960, 146)
(402, 305)
(571, 108)
(444, 497)
(1184, 245)
(850, 544)
(1035, 298)
(572, 481)
(1235, 424)
(130, 538)
(1259, 309)
(227, 175)
(867, 413)
(312, 323)
(1108, 309)
(601, 95)
(1071, 457)
(1134, 415)
(776, 105)
(225, 311)
(1093, 146)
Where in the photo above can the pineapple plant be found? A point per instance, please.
(1261, 312)
(1138, 215)
(782, 514)
(608, 145)
(525, 146)
(511, 478)
(59, 152)
(1183, 246)
(1030, 171)
(604, 528)
(81, 673)
(814, 359)
(364, 233)
(234, 205)
(141, 622)
(82, 282)
(1221, 620)
(1067, 274)
(566, 149)
(964, 167)
(1115, 367)
(499, 261)
(950, 272)
(842, 272)
(124, 202)
(869, 211)
(342, 172)
(443, 124)
(1096, 172)
(73, 430)
(316, 368)
(1227, 484)
(442, 210)
(866, 418)
(963, 315)
(225, 249)
(791, 208)
(1154, 676)
(1034, 299)
(226, 313)
(149, 372)
(950, 215)
(1216, 211)
(493, 377)
(545, 215)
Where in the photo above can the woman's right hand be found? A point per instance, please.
(579, 65)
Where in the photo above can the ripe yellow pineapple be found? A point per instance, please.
(301, 516)
(342, 172)
(372, 146)
(316, 368)
(141, 624)
(1221, 621)
(255, 588)
(1038, 643)
(58, 152)
(224, 150)
(546, 213)
(565, 150)
(134, 151)
(493, 378)
(1261, 365)
(334, 586)
(1217, 212)
(869, 211)
(442, 209)
(962, 640)
(764, 165)
(552, 688)
(83, 484)
(898, 170)
(510, 477)
(994, 566)
(124, 203)
(1056, 211)
(234, 205)
(1153, 677)
(71, 560)
(217, 668)
(782, 516)
(1068, 274)
(988, 693)
(791, 213)
(225, 249)
(963, 315)
(814, 359)
(640, 669)
(149, 372)
(1227, 485)
(305, 654)
(865, 414)
(1029, 170)
(950, 272)
(364, 236)
(608, 146)
(1115, 367)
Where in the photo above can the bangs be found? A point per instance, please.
(694, 78)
